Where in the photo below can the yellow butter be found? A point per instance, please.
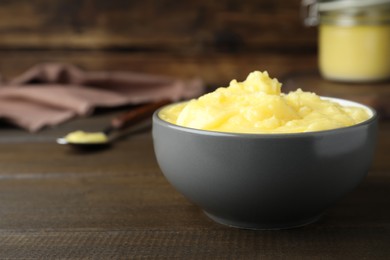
(355, 53)
(257, 105)
(86, 137)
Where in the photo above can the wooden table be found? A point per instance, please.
(56, 202)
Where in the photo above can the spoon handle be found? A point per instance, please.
(136, 115)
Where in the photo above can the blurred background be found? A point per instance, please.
(215, 40)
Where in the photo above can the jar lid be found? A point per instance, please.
(311, 9)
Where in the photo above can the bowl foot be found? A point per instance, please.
(261, 226)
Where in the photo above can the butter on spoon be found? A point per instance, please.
(86, 137)
(81, 139)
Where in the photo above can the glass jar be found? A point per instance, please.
(354, 38)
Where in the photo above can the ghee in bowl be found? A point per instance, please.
(257, 105)
(252, 157)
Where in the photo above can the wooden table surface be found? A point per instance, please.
(56, 202)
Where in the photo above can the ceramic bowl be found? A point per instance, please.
(265, 181)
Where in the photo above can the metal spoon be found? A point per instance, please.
(121, 122)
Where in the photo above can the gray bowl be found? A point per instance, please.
(265, 181)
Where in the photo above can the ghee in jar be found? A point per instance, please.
(257, 105)
(353, 39)
(355, 53)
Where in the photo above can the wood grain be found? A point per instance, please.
(187, 26)
(215, 69)
(115, 203)
(197, 244)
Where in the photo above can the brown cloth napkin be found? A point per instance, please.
(50, 93)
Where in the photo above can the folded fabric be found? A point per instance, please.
(49, 94)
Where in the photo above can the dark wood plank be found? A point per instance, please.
(58, 203)
(107, 199)
(215, 69)
(338, 243)
(189, 26)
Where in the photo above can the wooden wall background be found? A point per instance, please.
(216, 40)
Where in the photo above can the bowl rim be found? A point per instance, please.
(157, 119)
